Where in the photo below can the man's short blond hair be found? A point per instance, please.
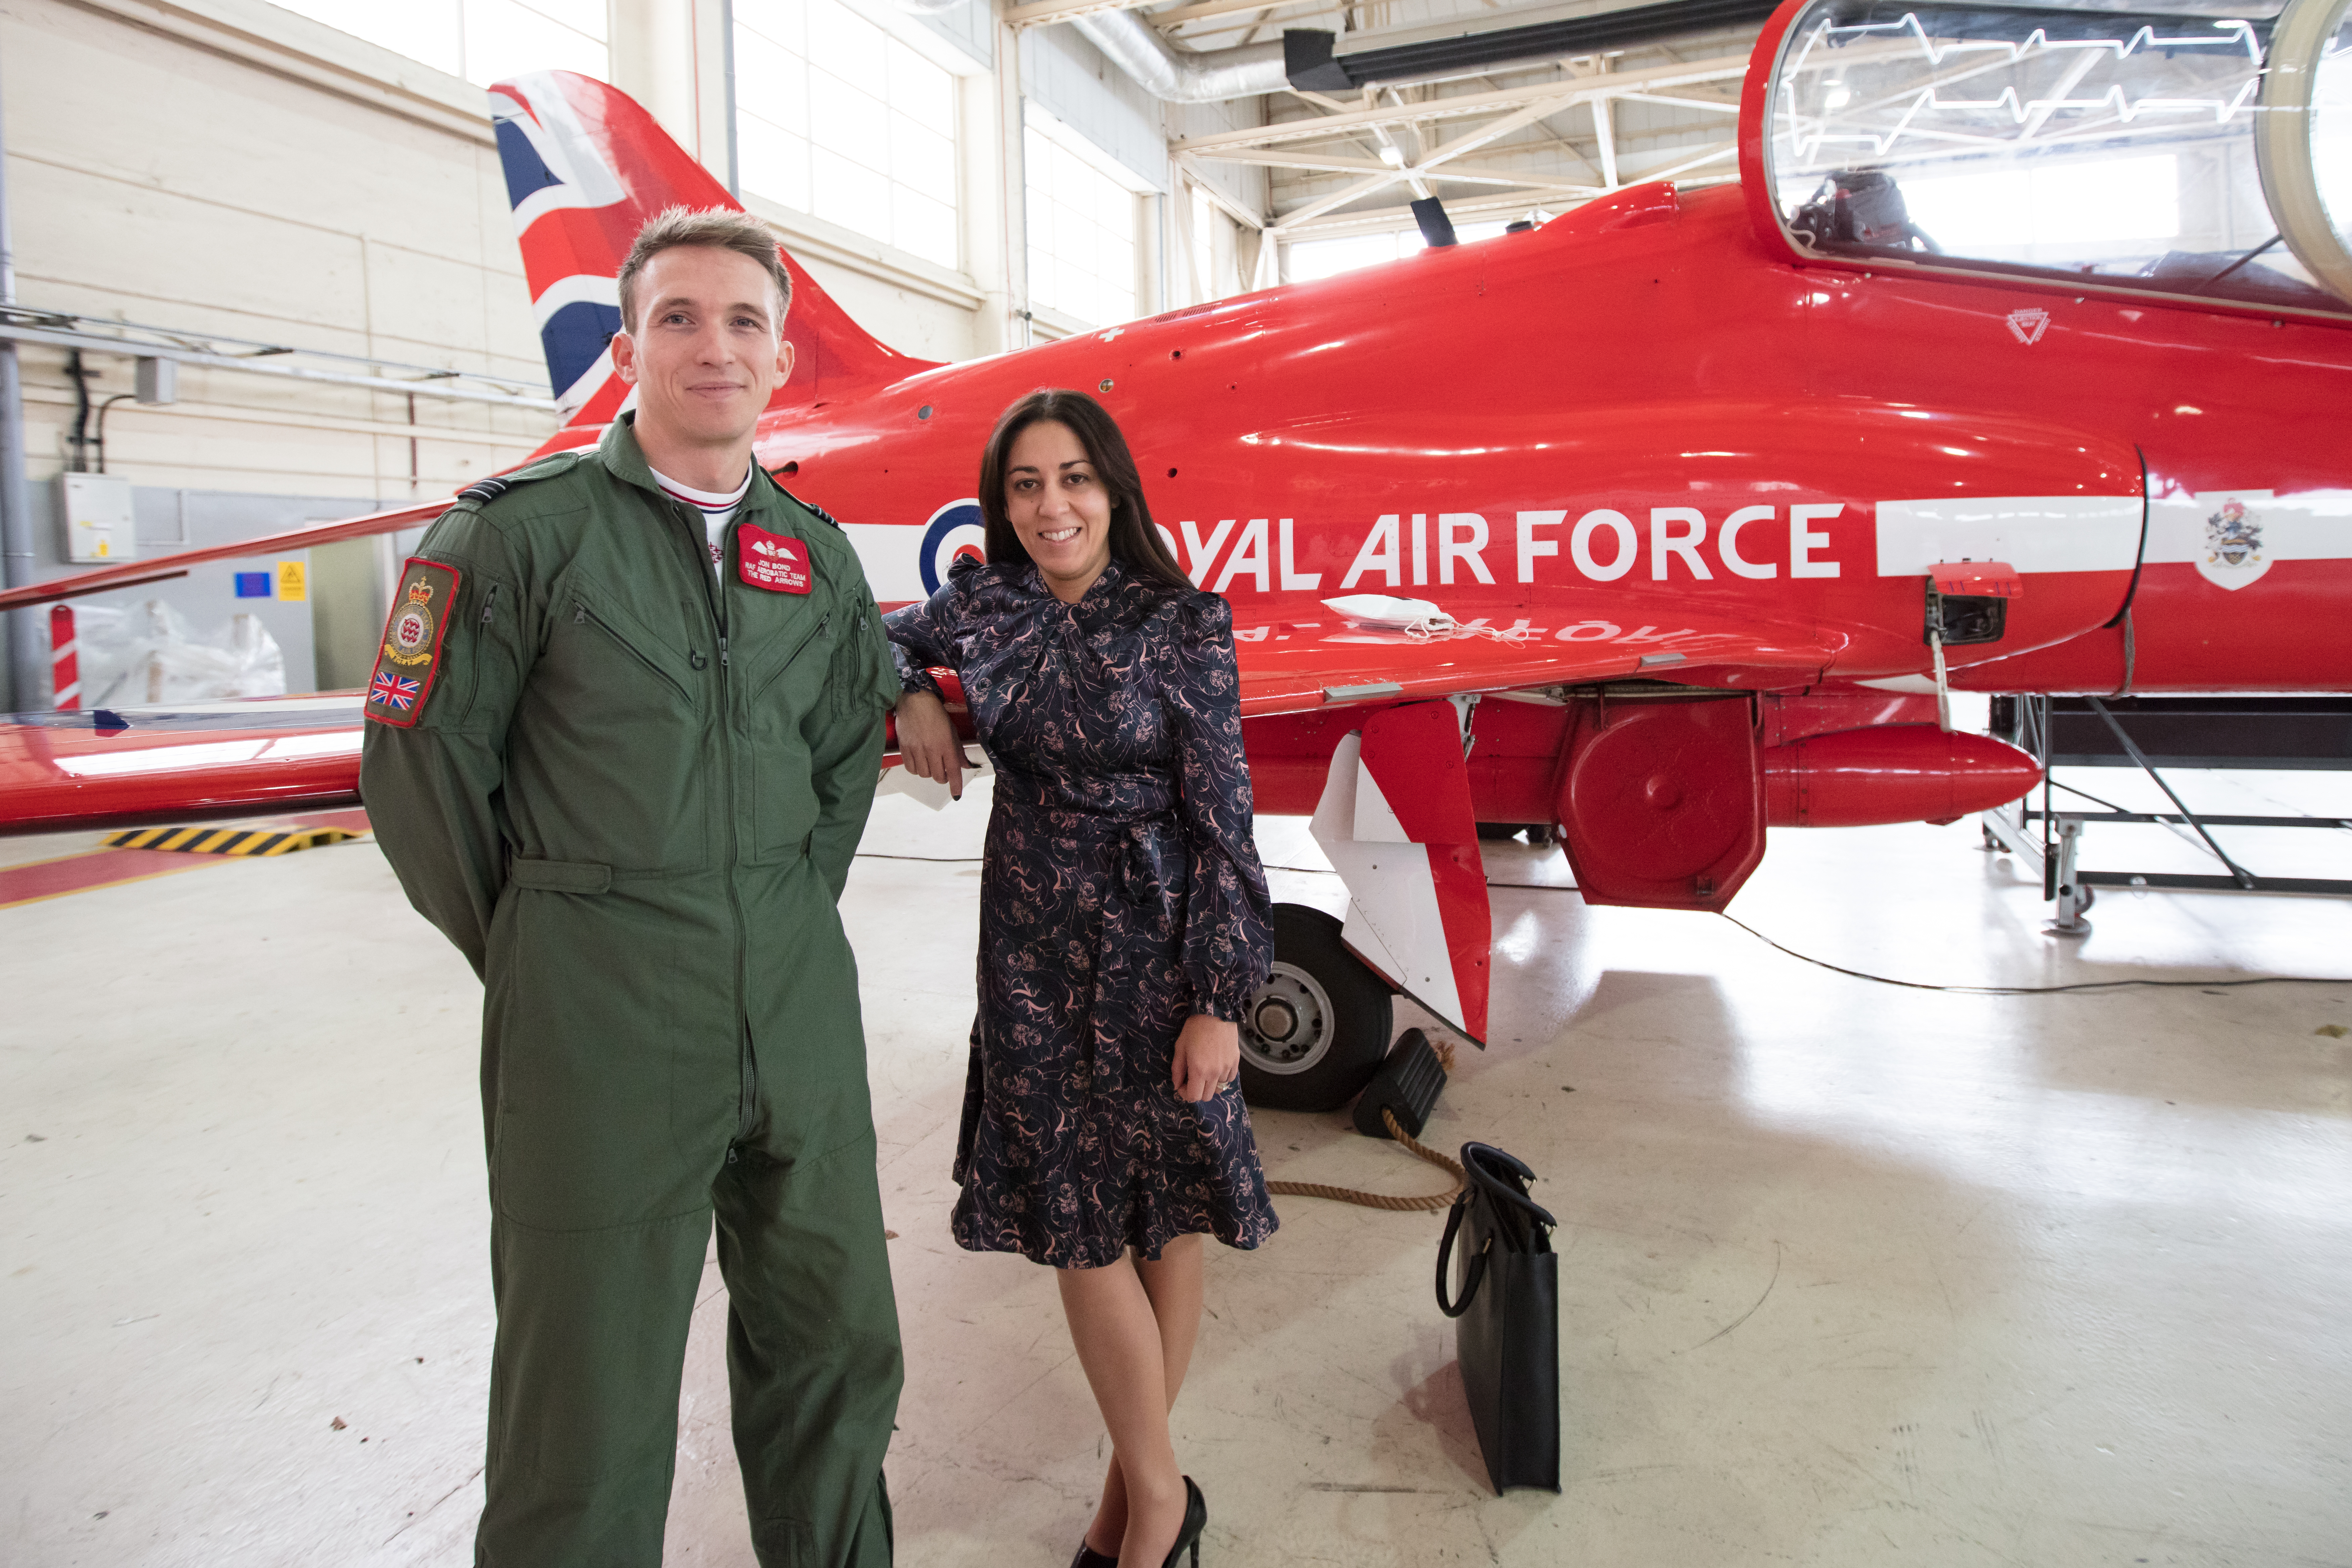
(716, 226)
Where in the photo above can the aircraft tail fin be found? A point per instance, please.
(585, 168)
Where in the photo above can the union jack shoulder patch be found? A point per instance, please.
(410, 654)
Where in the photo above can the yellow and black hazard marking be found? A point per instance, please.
(227, 840)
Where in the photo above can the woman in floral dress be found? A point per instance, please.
(1123, 925)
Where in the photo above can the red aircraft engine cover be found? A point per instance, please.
(1891, 773)
(1661, 804)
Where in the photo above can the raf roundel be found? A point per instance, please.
(410, 655)
(952, 531)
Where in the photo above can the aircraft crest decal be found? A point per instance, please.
(2027, 326)
(2233, 546)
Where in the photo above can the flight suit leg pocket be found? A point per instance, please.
(588, 1046)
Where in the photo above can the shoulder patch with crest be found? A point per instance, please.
(410, 654)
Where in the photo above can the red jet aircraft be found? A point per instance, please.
(2017, 361)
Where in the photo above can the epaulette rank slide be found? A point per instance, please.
(811, 508)
(481, 492)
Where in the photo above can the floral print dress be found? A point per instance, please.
(1121, 893)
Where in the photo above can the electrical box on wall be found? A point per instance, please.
(96, 513)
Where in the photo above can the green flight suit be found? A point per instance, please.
(630, 795)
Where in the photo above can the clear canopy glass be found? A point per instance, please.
(2089, 145)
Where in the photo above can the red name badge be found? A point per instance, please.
(772, 561)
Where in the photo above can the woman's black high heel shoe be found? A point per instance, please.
(1088, 1557)
(1196, 1520)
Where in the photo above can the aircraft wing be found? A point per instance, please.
(1290, 665)
(156, 568)
(89, 767)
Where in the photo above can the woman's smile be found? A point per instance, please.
(1059, 507)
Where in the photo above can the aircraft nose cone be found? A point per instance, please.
(1662, 793)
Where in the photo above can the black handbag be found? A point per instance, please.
(1507, 1317)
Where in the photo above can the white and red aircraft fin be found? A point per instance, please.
(1290, 665)
(1396, 821)
(585, 169)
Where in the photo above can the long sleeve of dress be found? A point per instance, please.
(922, 638)
(1228, 918)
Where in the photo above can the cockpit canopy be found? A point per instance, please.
(2206, 157)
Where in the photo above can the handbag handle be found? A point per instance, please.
(1487, 1167)
(1444, 1255)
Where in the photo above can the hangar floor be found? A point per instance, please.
(1852, 1274)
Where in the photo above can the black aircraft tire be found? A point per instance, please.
(1315, 1031)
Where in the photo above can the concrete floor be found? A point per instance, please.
(1851, 1274)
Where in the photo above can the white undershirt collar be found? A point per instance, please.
(718, 507)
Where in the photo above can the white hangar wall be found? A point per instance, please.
(243, 169)
(196, 181)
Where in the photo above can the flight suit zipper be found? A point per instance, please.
(714, 596)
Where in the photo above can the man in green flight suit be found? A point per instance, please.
(624, 729)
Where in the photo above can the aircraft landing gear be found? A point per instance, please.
(1315, 1031)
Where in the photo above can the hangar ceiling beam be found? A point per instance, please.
(1037, 12)
(1561, 94)
(1513, 109)
(1320, 164)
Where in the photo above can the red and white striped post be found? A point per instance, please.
(65, 674)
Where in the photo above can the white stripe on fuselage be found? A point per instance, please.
(2032, 533)
(2315, 525)
(888, 552)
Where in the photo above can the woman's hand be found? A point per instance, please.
(1208, 1055)
(927, 741)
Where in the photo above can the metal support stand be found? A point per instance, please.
(2073, 898)
(2245, 878)
(2056, 849)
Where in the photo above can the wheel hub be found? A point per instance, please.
(1287, 1027)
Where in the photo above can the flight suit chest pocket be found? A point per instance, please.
(615, 736)
(618, 666)
(787, 684)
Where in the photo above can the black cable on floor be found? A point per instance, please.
(1839, 968)
(2035, 990)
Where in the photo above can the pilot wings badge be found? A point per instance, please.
(2233, 556)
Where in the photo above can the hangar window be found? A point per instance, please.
(2193, 155)
(1311, 259)
(1081, 220)
(480, 40)
(836, 117)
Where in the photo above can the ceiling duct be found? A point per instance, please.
(1309, 64)
(1208, 77)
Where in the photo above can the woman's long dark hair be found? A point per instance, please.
(1135, 543)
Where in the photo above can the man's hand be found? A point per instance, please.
(927, 741)
(1208, 1055)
